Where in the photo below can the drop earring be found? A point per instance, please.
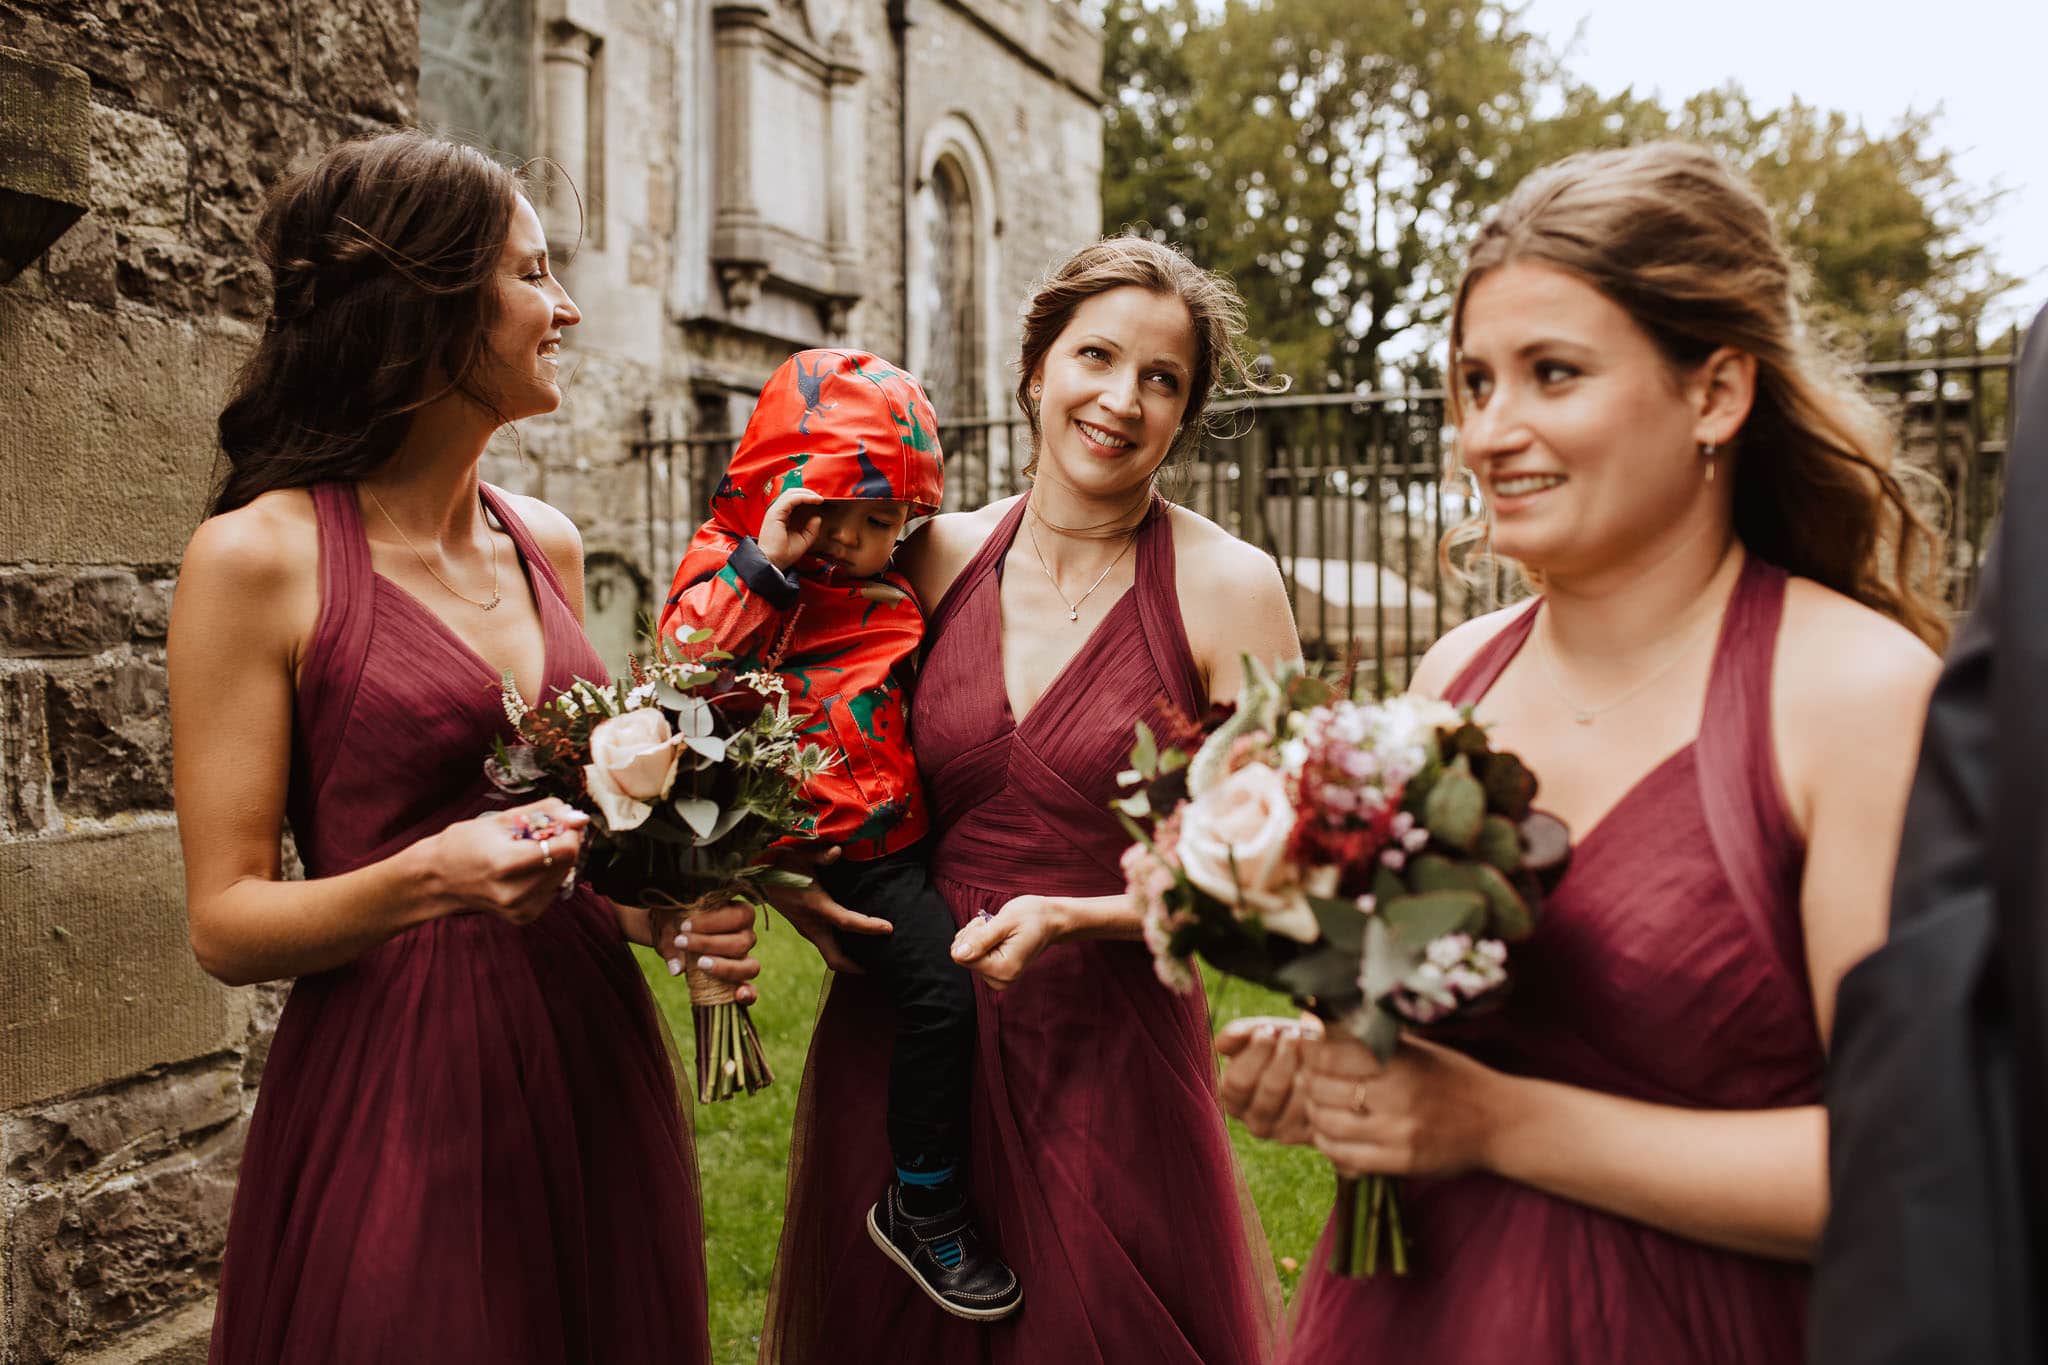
(1707, 453)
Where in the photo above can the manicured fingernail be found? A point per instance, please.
(704, 963)
(675, 966)
(682, 940)
(684, 927)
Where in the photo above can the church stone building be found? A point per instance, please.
(725, 180)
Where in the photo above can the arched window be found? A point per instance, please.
(476, 71)
(953, 337)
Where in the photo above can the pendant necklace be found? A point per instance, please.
(1074, 607)
(496, 596)
(1583, 714)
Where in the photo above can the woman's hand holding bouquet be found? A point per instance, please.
(1373, 860)
(689, 773)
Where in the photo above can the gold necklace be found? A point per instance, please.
(1586, 715)
(1074, 607)
(496, 596)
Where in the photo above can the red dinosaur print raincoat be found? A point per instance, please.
(843, 424)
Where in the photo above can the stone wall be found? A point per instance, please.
(128, 1075)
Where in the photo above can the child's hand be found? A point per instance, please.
(791, 527)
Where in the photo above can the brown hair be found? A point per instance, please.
(1686, 246)
(1213, 303)
(381, 257)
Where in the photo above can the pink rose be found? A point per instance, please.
(1233, 845)
(633, 764)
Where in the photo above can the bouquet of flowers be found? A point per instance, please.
(1372, 860)
(689, 772)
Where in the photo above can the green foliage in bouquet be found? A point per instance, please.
(690, 772)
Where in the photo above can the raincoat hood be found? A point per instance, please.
(843, 424)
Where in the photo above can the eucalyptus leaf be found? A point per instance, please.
(1428, 872)
(1379, 1029)
(1145, 755)
(727, 821)
(698, 813)
(1323, 981)
(710, 746)
(1342, 923)
(1419, 919)
(1387, 961)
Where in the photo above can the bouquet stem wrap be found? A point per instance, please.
(729, 1052)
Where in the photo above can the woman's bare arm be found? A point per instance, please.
(246, 601)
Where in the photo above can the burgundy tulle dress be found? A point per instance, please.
(468, 1145)
(1669, 967)
(1100, 1163)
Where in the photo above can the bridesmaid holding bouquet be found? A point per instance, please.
(468, 1146)
(1722, 684)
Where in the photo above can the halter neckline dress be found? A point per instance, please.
(1100, 1164)
(468, 1144)
(1669, 967)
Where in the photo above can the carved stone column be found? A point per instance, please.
(570, 132)
(739, 245)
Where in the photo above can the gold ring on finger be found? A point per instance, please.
(1358, 1100)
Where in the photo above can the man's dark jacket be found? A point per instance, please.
(1938, 1141)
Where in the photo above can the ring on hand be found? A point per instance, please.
(1358, 1098)
(547, 855)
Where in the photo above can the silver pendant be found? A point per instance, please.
(1073, 613)
(496, 598)
(1583, 717)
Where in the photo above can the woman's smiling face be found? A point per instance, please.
(1580, 432)
(532, 309)
(1111, 391)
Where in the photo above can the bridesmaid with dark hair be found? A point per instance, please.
(468, 1146)
(1722, 687)
(1058, 620)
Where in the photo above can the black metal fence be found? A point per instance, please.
(1348, 493)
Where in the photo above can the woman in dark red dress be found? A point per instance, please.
(1721, 689)
(468, 1146)
(1058, 621)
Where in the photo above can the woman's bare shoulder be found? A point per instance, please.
(933, 555)
(1840, 663)
(253, 575)
(1457, 647)
(1212, 552)
(266, 543)
(551, 529)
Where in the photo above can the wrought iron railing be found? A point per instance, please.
(1347, 492)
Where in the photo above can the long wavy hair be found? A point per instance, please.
(1213, 304)
(1686, 246)
(382, 257)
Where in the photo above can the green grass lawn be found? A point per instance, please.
(743, 1144)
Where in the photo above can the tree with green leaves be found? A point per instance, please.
(1334, 157)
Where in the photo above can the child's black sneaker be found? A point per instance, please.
(945, 1255)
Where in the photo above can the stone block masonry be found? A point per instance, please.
(128, 1075)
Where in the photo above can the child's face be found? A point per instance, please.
(859, 534)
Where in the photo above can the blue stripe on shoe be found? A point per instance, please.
(925, 1179)
(947, 1253)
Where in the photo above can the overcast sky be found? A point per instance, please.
(1983, 62)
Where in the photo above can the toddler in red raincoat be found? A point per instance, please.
(792, 575)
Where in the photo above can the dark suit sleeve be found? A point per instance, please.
(1925, 1259)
